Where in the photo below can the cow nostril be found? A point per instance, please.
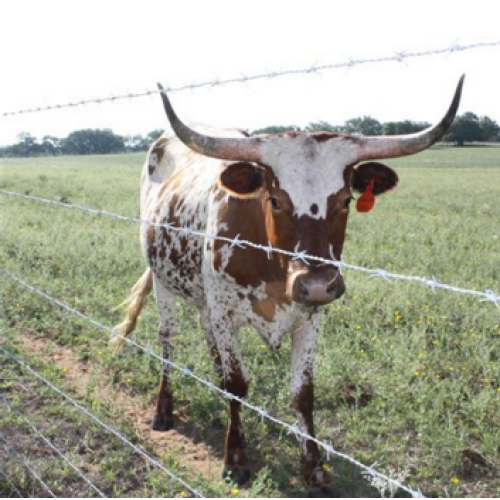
(332, 287)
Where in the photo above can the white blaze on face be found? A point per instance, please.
(309, 170)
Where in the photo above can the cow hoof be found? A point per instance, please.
(239, 475)
(323, 491)
(162, 423)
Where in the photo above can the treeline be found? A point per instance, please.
(80, 142)
(467, 128)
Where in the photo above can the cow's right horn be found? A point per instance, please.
(375, 148)
(216, 147)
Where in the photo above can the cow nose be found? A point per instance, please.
(312, 289)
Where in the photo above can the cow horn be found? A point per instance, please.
(216, 147)
(373, 148)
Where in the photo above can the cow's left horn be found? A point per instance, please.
(216, 147)
(373, 148)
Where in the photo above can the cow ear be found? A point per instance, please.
(384, 178)
(242, 180)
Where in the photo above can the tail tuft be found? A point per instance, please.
(134, 305)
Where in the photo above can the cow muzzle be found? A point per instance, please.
(316, 286)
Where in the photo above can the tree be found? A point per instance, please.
(465, 128)
(26, 146)
(152, 137)
(322, 126)
(403, 127)
(93, 141)
(139, 143)
(51, 145)
(490, 129)
(134, 142)
(365, 125)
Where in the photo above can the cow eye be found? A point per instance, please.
(275, 203)
(347, 201)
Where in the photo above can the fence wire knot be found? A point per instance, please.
(237, 242)
(295, 430)
(490, 296)
(400, 57)
(381, 273)
(301, 255)
(269, 250)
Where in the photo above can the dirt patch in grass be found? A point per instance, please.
(183, 441)
(86, 445)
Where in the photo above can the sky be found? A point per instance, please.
(56, 51)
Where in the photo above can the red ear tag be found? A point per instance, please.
(367, 200)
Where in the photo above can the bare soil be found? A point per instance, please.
(180, 441)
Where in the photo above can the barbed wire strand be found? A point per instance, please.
(11, 484)
(53, 447)
(138, 449)
(485, 296)
(399, 57)
(291, 428)
(25, 464)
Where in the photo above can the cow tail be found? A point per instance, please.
(134, 304)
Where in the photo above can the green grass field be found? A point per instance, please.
(405, 378)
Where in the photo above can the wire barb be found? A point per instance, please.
(237, 242)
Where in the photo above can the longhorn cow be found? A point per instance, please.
(291, 190)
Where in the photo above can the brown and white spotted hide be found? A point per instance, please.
(296, 199)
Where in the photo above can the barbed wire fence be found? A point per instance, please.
(293, 429)
(11, 484)
(397, 57)
(54, 448)
(137, 449)
(433, 283)
(24, 463)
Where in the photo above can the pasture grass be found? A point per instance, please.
(405, 378)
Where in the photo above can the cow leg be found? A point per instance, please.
(302, 392)
(235, 381)
(235, 459)
(212, 345)
(164, 418)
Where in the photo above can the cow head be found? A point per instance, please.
(304, 183)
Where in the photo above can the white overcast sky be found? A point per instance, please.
(56, 51)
